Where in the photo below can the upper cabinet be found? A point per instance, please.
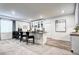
(37, 25)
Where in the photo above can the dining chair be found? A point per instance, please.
(30, 36)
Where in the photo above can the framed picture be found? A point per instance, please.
(60, 25)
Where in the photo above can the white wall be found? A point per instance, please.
(5, 35)
(49, 25)
(23, 25)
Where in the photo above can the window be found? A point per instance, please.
(6, 26)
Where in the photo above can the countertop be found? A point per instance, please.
(74, 34)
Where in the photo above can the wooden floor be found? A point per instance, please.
(15, 47)
(59, 43)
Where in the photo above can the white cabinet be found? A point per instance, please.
(75, 44)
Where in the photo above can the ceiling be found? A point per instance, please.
(33, 11)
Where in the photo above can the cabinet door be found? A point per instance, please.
(75, 44)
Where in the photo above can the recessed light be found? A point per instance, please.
(41, 16)
(62, 11)
(30, 19)
(13, 12)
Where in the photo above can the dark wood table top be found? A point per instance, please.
(74, 34)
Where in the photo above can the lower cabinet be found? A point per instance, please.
(75, 44)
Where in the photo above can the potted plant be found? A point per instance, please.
(76, 28)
